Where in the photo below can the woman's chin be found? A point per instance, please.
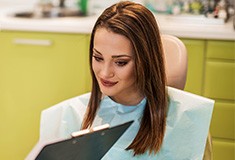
(108, 92)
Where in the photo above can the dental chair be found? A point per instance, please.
(176, 64)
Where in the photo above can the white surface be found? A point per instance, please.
(196, 28)
(5, 3)
(180, 26)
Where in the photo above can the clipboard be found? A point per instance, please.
(90, 144)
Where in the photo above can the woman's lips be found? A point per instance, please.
(107, 83)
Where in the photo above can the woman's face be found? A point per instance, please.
(113, 66)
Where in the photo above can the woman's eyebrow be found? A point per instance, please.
(96, 51)
(114, 56)
(123, 55)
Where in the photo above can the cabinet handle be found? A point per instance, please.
(36, 42)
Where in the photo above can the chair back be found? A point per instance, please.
(176, 72)
(176, 61)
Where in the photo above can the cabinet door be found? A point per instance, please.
(219, 80)
(37, 70)
(220, 70)
(195, 50)
(223, 122)
(223, 150)
(223, 50)
(219, 85)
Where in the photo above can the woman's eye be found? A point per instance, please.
(121, 63)
(98, 59)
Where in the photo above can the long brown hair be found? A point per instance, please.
(138, 24)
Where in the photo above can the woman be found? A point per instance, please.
(128, 83)
(126, 60)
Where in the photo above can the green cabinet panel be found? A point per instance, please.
(220, 80)
(223, 150)
(211, 73)
(195, 50)
(221, 49)
(219, 84)
(223, 120)
(37, 70)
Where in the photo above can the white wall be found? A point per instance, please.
(7, 3)
(98, 3)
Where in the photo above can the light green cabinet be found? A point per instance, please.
(219, 80)
(223, 50)
(220, 70)
(211, 73)
(195, 49)
(223, 122)
(219, 84)
(37, 70)
(223, 150)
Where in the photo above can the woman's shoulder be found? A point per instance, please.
(183, 103)
(63, 118)
(185, 97)
(72, 109)
(188, 120)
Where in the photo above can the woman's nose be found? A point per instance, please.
(107, 71)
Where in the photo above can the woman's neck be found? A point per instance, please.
(132, 100)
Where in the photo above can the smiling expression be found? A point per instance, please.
(113, 66)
